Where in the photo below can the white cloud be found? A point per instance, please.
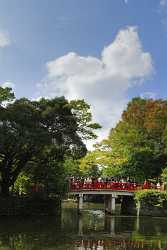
(148, 95)
(126, 1)
(163, 3)
(4, 39)
(163, 12)
(101, 82)
(8, 84)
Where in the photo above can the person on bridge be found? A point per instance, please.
(158, 186)
(146, 185)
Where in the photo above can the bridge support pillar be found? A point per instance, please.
(80, 202)
(110, 203)
(113, 197)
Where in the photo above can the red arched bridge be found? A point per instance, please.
(110, 189)
(76, 186)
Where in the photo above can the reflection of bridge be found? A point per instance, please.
(116, 244)
(110, 190)
(113, 237)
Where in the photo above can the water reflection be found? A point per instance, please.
(91, 230)
(116, 244)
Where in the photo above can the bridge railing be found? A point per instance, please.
(122, 186)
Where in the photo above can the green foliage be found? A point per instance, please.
(82, 112)
(164, 175)
(109, 171)
(22, 184)
(62, 125)
(21, 137)
(37, 138)
(89, 165)
(71, 167)
(151, 197)
(47, 169)
(6, 95)
(137, 146)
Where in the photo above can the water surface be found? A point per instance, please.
(91, 230)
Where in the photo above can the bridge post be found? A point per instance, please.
(110, 203)
(80, 202)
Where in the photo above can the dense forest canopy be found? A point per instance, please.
(37, 136)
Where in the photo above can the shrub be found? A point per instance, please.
(151, 198)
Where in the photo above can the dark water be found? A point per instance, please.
(92, 230)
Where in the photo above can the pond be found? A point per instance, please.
(91, 230)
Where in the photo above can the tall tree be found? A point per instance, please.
(32, 131)
(137, 146)
(21, 137)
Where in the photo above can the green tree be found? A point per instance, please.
(39, 136)
(83, 114)
(89, 165)
(137, 146)
(47, 170)
(71, 167)
(21, 137)
(6, 95)
(164, 177)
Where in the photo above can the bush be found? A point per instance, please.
(151, 198)
(164, 175)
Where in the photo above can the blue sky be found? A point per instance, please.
(56, 47)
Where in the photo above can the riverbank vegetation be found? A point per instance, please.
(152, 198)
(151, 203)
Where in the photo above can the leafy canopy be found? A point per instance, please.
(37, 136)
(6, 95)
(137, 146)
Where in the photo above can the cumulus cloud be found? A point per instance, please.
(126, 1)
(103, 82)
(163, 12)
(8, 84)
(148, 95)
(4, 39)
(163, 3)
